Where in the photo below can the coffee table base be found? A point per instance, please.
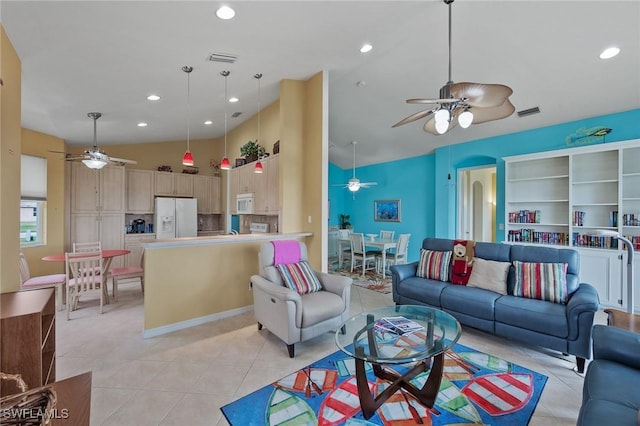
(426, 395)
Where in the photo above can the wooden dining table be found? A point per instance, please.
(107, 256)
(383, 244)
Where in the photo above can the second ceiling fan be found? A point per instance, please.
(462, 103)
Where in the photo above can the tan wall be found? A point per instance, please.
(204, 281)
(315, 171)
(39, 145)
(292, 160)
(10, 134)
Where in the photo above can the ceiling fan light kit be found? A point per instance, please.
(462, 103)
(95, 158)
(354, 183)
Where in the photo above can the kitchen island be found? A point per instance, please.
(191, 281)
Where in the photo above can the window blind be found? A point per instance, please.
(33, 177)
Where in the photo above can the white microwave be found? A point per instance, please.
(244, 204)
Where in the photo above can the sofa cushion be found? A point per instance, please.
(598, 412)
(299, 277)
(472, 301)
(532, 314)
(543, 281)
(320, 306)
(601, 373)
(422, 289)
(489, 275)
(434, 265)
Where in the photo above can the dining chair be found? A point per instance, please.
(88, 246)
(359, 252)
(387, 235)
(126, 273)
(344, 248)
(81, 277)
(54, 280)
(397, 256)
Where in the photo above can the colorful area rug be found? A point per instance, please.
(477, 388)
(371, 280)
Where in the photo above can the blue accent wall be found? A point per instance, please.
(428, 196)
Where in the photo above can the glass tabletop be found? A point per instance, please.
(398, 334)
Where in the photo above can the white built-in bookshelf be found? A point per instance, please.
(561, 197)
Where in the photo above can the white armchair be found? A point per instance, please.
(295, 317)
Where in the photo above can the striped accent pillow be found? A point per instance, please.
(434, 265)
(299, 277)
(543, 281)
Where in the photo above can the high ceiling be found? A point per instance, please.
(107, 56)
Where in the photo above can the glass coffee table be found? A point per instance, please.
(396, 335)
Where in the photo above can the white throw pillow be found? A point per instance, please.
(489, 275)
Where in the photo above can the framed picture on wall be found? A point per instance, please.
(386, 210)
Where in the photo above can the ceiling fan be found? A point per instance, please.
(95, 158)
(354, 183)
(462, 103)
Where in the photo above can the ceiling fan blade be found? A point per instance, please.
(430, 125)
(413, 117)
(367, 184)
(482, 115)
(82, 157)
(432, 101)
(122, 160)
(481, 95)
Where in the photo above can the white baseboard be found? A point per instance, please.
(153, 332)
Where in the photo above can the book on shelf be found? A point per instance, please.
(397, 325)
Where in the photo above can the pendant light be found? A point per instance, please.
(225, 164)
(258, 167)
(187, 158)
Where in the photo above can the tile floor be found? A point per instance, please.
(183, 378)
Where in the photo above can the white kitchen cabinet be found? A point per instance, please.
(97, 206)
(97, 190)
(140, 191)
(134, 243)
(206, 189)
(169, 184)
(563, 197)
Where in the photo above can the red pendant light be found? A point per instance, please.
(225, 164)
(258, 167)
(187, 158)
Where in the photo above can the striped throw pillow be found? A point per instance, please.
(299, 277)
(543, 281)
(434, 265)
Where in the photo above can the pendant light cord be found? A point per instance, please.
(225, 74)
(188, 70)
(354, 158)
(258, 76)
(449, 3)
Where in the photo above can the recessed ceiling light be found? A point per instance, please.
(208, 122)
(366, 48)
(225, 12)
(609, 52)
(142, 124)
(153, 98)
(233, 100)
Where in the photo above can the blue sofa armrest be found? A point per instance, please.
(617, 345)
(403, 271)
(583, 300)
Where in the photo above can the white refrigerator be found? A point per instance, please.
(176, 217)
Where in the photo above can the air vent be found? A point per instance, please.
(530, 111)
(236, 114)
(227, 58)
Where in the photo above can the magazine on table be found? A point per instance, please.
(397, 325)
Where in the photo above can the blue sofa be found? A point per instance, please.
(562, 327)
(611, 391)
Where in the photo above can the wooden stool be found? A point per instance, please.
(623, 320)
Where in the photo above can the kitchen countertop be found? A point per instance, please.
(221, 239)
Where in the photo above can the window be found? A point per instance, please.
(33, 200)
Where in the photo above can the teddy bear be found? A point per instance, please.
(462, 261)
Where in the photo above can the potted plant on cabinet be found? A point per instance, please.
(252, 151)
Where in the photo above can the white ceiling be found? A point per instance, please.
(107, 56)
